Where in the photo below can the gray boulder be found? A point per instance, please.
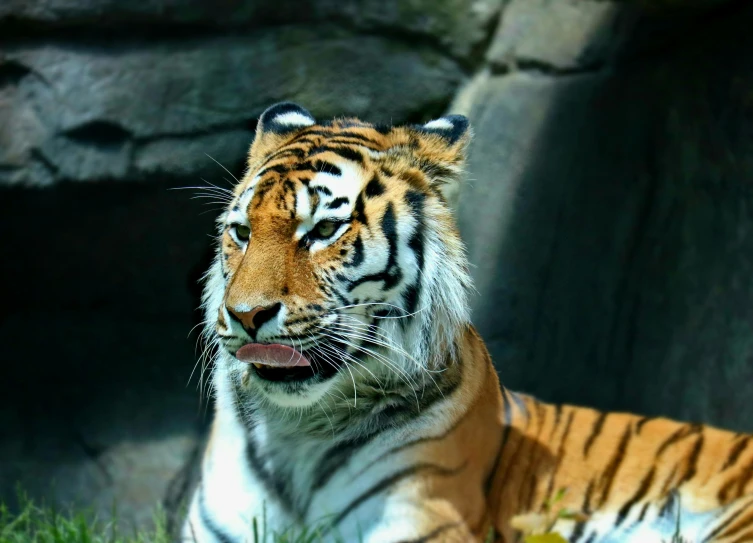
(608, 218)
(127, 113)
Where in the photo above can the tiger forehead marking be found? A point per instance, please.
(338, 174)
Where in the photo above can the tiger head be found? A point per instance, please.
(339, 260)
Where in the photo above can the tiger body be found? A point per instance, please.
(387, 423)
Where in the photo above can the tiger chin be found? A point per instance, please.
(355, 400)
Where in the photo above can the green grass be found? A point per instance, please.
(36, 524)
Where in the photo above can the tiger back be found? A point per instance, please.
(356, 402)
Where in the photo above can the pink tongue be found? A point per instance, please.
(271, 355)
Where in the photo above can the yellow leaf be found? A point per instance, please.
(545, 538)
(529, 523)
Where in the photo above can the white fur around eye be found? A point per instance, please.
(232, 229)
(322, 243)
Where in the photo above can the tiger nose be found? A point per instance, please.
(255, 318)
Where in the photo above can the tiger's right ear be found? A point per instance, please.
(276, 125)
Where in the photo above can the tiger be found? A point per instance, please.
(354, 400)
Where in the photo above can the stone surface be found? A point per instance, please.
(458, 25)
(125, 113)
(97, 408)
(614, 255)
(562, 34)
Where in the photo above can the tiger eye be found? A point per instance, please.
(242, 232)
(325, 229)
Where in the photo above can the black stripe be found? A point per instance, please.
(359, 210)
(692, 461)
(747, 537)
(392, 273)
(342, 134)
(641, 422)
(301, 320)
(323, 190)
(319, 166)
(507, 408)
(717, 531)
(410, 301)
(532, 463)
(608, 476)
(406, 410)
(681, 433)
(374, 187)
(277, 168)
(416, 202)
(560, 454)
(668, 483)
(217, 532)
(741, 480)
(358, 253)
(643, 489)
(644, 510)
(580, 528)
(345, 152)
(595, 432)
(393, 479)
(336, 457)
(557, 416)
(337, 202)
(735, 453)
(275, 486)
(352, 141)
(586, 505)
(261, 191)
(419, 441)
(745, 477)
(287, 152)
(669, 504)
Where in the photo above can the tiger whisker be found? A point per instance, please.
(372, 304)
(401, 351)
(223, 167)
(395, 368)
(355, 387)
(339, 352)
(340, 337)
(387, 341)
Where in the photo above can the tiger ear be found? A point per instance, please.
(276, 125)
(453, 129)
(442, 148)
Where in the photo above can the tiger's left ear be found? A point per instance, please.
(277, 125)
(442, 148)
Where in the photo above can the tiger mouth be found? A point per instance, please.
(318, 366)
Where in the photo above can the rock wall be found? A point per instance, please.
(105, 90)
(611, 166)
(607, 212)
